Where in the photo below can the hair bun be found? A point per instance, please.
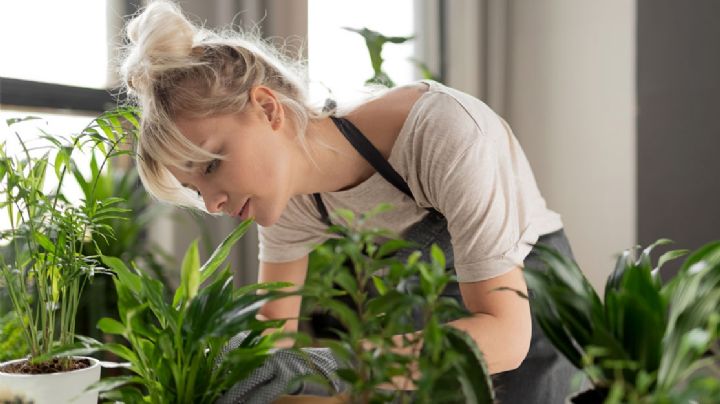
(161, 38)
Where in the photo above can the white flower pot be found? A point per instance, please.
(52, 388)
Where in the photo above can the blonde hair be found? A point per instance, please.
(173, 68)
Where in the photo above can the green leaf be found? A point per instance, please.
(13, 121)
(44, 241)
(671, 255)
(392, 246)
(123, 352)
(379, 285)
(380, 208)
(347, 215)
(223, 250)
(111, 326)
(437, 256)
(189, 275)
(347, 282)
(110, 383)
(473, 373)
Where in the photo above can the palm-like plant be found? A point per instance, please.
(45, 269)
(647, 339)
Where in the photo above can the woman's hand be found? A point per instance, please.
(312, 368)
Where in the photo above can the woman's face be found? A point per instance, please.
(255, 172)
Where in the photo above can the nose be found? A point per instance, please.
(214, 200)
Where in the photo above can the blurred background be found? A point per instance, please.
(616, 103)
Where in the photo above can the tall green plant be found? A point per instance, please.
(176, 344)
(46, 270)
(647, 339)
(445, 364)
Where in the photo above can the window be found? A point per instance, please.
(55, 64)
(339, 60)
(61, 125)
(63, 42)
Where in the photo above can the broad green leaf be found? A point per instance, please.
(189, 275)
(223, 250)
(475, 381)
(111, 326)
(110, 383)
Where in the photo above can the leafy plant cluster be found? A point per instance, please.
(648, 341)
(389, 296)
(175, 347)
(43, 266)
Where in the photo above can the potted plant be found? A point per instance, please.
(176, 348)
(389, 362)
(647, 341)
(45, 271)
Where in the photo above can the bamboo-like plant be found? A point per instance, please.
(45, 270)
(646, 342)
(388, 297)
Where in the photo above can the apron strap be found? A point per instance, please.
(373, 156)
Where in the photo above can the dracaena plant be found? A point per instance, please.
(176, 346)
(43, 266)
(647, 340)
(445, 365)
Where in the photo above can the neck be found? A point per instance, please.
(338, 165)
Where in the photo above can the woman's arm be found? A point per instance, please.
(288, 307)
(501, 323)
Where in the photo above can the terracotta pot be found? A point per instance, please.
(51, 388)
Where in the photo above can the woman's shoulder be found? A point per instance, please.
(382, 118)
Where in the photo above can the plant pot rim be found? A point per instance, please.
(94, 363)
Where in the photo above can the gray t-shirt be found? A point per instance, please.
(457, 156)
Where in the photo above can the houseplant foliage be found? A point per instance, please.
(375, 42)
(176, 345)
(45, 270)
(387, 297)
(646, 343)
(128, 240)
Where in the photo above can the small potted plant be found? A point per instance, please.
(647, 342)
(379, 334)
(176, 347)
(45, 271)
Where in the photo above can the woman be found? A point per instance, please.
(227, 128)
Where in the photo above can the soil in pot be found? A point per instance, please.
(53, 366)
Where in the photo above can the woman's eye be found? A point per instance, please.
(212, 166)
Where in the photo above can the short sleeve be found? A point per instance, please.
(472, 182)
(293, 236)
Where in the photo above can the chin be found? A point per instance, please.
(268, 218)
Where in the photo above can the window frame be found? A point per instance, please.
(18, 93)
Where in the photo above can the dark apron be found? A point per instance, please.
(544, 376)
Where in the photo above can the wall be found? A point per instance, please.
(571, 102)
(678, 125)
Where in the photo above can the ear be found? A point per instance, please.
(265, 99)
